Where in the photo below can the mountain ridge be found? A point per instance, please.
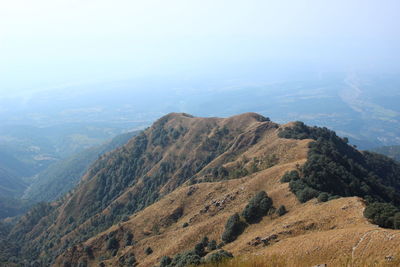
(180, 175)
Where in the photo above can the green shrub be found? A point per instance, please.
(233, 228)
(281, 210)
(185, 259)
(396, 220)
(165, 261)
(306, 194)
(289, 176)
(148, 250)
(199, 249)
(205, 241)
(128, 238)
(112, 243)
(219, 256)
(323, 197)
(333, 197)
(257, 207)
(212, 245)
(382, 214)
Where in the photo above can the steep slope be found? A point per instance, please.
(333, 232)
(62, 176)
(182, 178)
(178, 148)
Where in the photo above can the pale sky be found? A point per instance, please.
(47, 43)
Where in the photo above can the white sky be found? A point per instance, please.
(45, 43)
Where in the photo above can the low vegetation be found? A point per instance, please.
(233, 228)
(202, 253)
(258, 207)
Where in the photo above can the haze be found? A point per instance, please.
(50, 43)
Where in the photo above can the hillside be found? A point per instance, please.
(62, 176)
(182, 178)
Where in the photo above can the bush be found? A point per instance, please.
(128, 239)
(219, 256)
(127, 260)
(148, 251)
(233, 228)
(112, 244)
(185, 259)
(333, 197)
(289, 176)
(396, 220)
(323, 197)
(281, 210)
(199, 249)
(88, 250)
(382, 214)
(257, 207)
(165, 261)
(212, 245)
(306, 194)
(184, 225)
(205, 241)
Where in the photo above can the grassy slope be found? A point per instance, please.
(312, 231)
(333, 232)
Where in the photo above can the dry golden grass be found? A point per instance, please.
(280, 261)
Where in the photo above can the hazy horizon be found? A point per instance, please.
(47, 44)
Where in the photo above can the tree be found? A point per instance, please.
(289, 176)
(257, 207)
(382, 214)
(233, 228)
(112, 244)
(212, 245)
(165, 261)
